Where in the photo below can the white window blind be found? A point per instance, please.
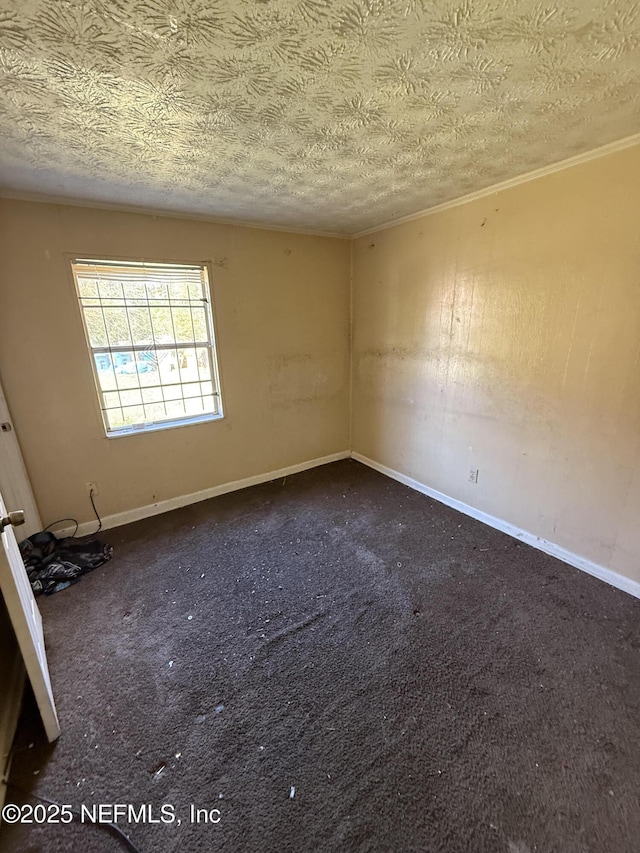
(150, 334)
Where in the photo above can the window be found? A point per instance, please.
(149, 329)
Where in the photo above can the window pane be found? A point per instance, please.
(111, 400)
(135, 292)
(175, 409)
(96, 328)
(87, 287)
(155, 412)
(161, 323)
(152, 395)
(199, 323)
(141, 328)
(131, 398)
(133, 415)
(210, 404)
(188, 364)
(172, 392)
(204, 362)
(104, 370)
(192, 389)
(194, 291)
(109, 290)
(183, 326)
(117, 324)
(114, 418)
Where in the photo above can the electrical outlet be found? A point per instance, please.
(473, 475)
(92, 487)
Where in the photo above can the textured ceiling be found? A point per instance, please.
(316, 114)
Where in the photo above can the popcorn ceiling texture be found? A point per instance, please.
(319, 114)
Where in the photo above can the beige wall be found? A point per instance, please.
(282, 316)
(505, 334)
(502, 334)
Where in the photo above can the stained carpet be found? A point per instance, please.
(334, 662)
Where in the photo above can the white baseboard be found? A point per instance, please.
(619, 581)
(138, 513)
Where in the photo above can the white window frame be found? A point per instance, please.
(209, 345)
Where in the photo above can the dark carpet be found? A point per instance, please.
(337, 663)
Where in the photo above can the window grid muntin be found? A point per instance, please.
(91, 272)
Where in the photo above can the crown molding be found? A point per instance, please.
(41, 198)
(594, 154)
